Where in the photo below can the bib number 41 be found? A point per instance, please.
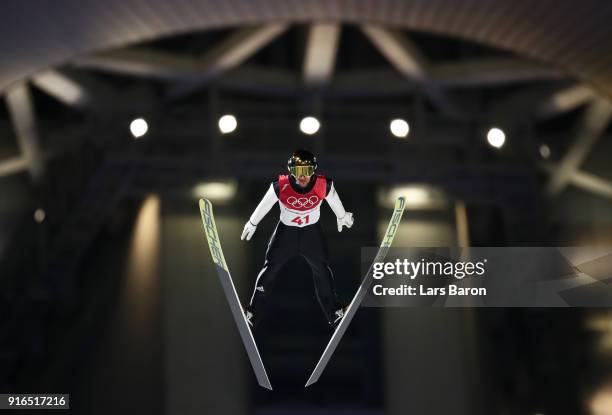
(301, 220)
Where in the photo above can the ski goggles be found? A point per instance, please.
(297, 171)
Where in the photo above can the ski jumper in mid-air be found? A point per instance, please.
(298, 233)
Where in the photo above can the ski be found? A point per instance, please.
(361, 293)
(210, 229)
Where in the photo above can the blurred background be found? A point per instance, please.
(492, 117)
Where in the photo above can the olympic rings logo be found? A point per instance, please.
(303, 202)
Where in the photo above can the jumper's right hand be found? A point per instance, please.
(346, 220)
(248, 231)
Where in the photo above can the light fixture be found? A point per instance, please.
(216, 191)
(601, 401)
(418, 196)
(39, 215)
(227, 124)
(139, 127)
(544, 151)
(309, 125)
(496, 137)
(399, 128)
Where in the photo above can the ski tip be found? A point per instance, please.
(203, 202)
(266, 385)
(400, 202)
(310, 382)
(262, 378)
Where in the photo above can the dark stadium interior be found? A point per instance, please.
(107, 289)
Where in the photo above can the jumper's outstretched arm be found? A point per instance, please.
(259, 213)
(343, 217)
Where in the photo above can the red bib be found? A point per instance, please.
(301, 202)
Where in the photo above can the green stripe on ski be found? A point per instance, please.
(398, 211)
(210, 227)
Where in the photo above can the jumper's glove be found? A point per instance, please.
(248, 231)
(346, 220)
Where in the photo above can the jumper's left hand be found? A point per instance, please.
(346, 220)
(248, 231)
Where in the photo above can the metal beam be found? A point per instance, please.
(12, 165)
(409, 61)
(585, 181)
(592, 125)
(143, 62)
(399, 51)
(592, 183)
(191, 71)
(230, 53)
(516, 108)
(565, 100)
(61, 87)
(64, 140)
(240, 46)
(489, 71)
(321, 49)
(21, 110)
(111, 100)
